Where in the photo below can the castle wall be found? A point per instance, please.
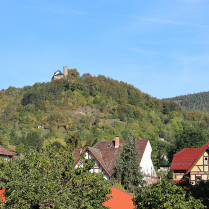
(57, 77)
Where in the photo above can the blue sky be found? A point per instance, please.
(161, 47)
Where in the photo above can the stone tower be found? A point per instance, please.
(65, 70)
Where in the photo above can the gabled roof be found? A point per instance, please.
(96, 154)
(5, 152)
(120, 199)
(106, 153)
(186, 158)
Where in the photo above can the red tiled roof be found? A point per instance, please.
(97, 154)
(120, 199)
(177, 181)
(77, 153)
(110, 153)
(5, 152)
(186, 158)
(106, 153)
(2, 197)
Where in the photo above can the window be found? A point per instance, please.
(80, 163)
(205, 160)
(6, 158)
(198, 179)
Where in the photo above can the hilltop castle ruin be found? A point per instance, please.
(58, 75)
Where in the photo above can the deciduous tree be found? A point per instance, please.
(165, 195)
(48, 179)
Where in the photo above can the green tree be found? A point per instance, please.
(165, 195)
(74, 140)
(127, 170)
(190, 137)
(48, 179)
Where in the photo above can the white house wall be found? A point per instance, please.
(146, 161)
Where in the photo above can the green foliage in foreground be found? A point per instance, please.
(198, 191)
(166, 195)
(47, 179)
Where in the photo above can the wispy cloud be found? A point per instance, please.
(163, 21)
(56, 10)
(155, 20)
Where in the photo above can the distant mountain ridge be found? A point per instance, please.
(193, 102)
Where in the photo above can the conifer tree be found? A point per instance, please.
(127, 170)
(164, 135)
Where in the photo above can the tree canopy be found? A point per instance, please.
(190, 137)
(48, 179)
(165, 195)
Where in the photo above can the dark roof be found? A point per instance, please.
(106, 153)
(186, 158)
(5, 152)
(77, 153)
(58, 74)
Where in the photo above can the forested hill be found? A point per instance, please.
(193, 102)
(85, 109)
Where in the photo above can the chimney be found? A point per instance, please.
(117, 142)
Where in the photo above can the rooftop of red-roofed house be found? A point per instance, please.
(4, 152)
(120, 199)
(186, 158)
(2, 197)
(106, 152)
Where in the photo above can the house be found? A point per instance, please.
(163, 168)
(120, 199)
(5, 154)
(191, 164)
(106, 152)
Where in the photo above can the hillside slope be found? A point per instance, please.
(85, 109)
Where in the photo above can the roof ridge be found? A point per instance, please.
(122, 190)
(110, 164)
(120, 140)
(96, 144)
(92, 149)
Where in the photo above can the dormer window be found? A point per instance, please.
(6, 158)
(205, 160)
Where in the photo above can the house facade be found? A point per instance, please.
(106, 152)
(191, 164)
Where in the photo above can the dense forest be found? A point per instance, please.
(85, 109)
(193, 102)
